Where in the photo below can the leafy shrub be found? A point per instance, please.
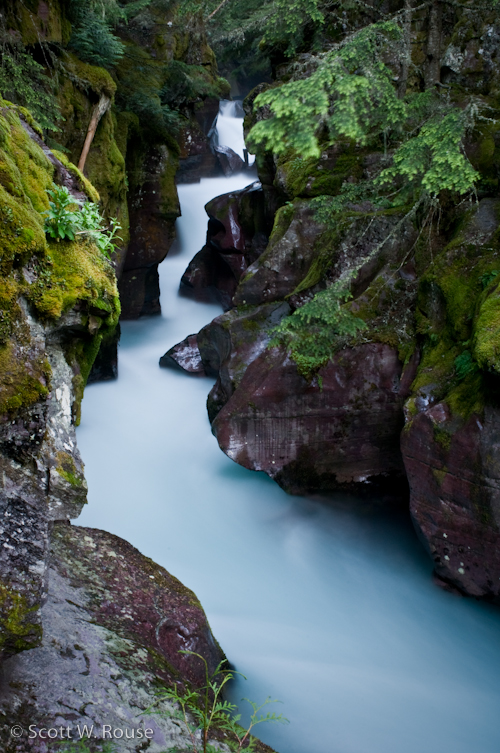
(209, 712)
(68, 218)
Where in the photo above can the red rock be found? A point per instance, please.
(342, 433)
(453, 468)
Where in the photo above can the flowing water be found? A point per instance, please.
(331, 609)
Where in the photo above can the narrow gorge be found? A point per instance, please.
(336, 296)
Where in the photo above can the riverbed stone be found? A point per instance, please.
(185, 356)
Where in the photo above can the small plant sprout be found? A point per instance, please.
(68, 218)
(203, 711)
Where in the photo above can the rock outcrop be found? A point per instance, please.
(58, 301)
(451, 439)
(338, 431)
(238, 231)
(185, 356)
(113, 623)
(409, 399)
(89, 627)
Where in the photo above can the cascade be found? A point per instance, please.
(330, 609)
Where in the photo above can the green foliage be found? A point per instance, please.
(92, 38)
(66, 218)
(434, 159)
(60, 220)
(185, 83)
(350, 94)
(23, 81)
(488, 278)
(310, 332)
(203, 711)
(465, 365)
(288, 20)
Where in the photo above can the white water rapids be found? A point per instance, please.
(332, 609)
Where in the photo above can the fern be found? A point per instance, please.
(92, 37)
(310, 333)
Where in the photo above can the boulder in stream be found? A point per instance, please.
(185, 356)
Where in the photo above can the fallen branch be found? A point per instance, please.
(101, 107)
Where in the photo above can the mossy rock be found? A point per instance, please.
(25, 176)
(19, 632)
(89, 77)
(319, 177)
(75, 271)
(84, 184)
(458, 314)
(23, 380)
(486, 333)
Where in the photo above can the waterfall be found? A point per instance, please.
(230, 127)
(329, 609)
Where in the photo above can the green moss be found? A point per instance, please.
(282, 221)
(81, 355)
(439, 475)
(106, 170)
(67, 469)
(468, 396)
(17, 633)
(318, 177)
(84, 184)
(75, 271)
(87, 76)
(486, 337)
(169, 207)
(325, 249)
(442, 437)
(25, 174)
(9, 308)
(22, 382)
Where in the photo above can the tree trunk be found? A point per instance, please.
(432, 72)
(101, 107)
(406, 59)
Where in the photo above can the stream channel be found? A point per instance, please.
(329, 608)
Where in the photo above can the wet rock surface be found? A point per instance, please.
(229, 161)
(453, 471)
(238, 230)
(113, 625)
(339, 431)
(185, 356)
(153, 208)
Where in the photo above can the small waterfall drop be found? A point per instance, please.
(230, 127)
(330, 609)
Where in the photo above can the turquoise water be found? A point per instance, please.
(330, 609)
